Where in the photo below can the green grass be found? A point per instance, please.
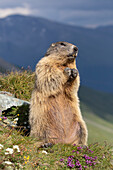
(101, 104)
(56, 157)
(31, 157)
(18, 83)
(98, 129)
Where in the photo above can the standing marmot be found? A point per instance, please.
(55, 115)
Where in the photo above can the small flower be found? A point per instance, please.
(87, 161)
(74, 144)
(16, 147)
(79, 148)
(85, 166)
(44, 152)
(8, 162)
(78, 163)
(61, 160)
(103, 156)
(28, 158)
(80, 168)
(73, 151)
(77, 152)
(9, 151)
(17, 114)
(1, 146)
(71, 165)
(0, 118)
(94, 163)
(4, 118)
(91, 151)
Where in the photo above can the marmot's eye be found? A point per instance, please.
(62, 44)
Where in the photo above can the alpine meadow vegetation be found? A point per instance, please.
(20, 151)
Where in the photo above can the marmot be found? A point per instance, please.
(55, 114)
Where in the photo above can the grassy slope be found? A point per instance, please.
(30, 157)
(100, 103)
(97, 111)
(99, 130)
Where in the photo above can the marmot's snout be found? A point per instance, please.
(73, 53)
(75, 50)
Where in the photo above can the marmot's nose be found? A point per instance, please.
(75, 49)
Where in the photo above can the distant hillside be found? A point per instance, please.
(24, 40)
(100, 104)
(97, 110)
(5, 66)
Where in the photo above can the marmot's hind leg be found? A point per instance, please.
(82, 134)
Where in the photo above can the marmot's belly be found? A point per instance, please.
(62, 136)
(62, 127)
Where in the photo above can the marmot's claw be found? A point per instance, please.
(74, 73)
(67, 71)
(71, 73)
(46, 145)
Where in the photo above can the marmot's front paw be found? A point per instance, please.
(74, 73)
(71, 73)
(67, 71)
(46, 145)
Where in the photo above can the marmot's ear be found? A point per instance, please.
(53, 44)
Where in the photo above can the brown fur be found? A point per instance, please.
(55, 115)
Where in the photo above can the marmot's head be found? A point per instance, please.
(62, 52)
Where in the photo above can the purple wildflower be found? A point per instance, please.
(80, 168)
(85, 166)
(4, 118)
(70, 161)
(78, 163)
(74, 144)
(95, 157)
(73, 151)
(61, 160)
(79, 148)
(91, 151)
(87, 161)
(94, 163)
(70, 164)
(86, 157)
(77, 152)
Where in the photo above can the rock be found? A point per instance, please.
(7, 93)
(13, 112)
(7, 101)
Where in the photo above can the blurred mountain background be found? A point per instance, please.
(24, 40)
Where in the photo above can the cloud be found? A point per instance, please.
(17, 10)
(82, 12)
(87, 17)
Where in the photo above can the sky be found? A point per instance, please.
(88, 13)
